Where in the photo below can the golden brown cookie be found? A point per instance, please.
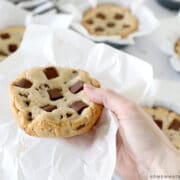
(168, 121)
(110, 20)
(177, 47)
(50, 102)
(10, 39)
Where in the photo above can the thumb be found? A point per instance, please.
(110, 99)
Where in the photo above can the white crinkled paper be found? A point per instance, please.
(147, 20)
(162, 93)
(12, 15)
(90, 156)
(166, 36)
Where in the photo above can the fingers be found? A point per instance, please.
(110, 99)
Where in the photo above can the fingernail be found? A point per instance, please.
(88, 87)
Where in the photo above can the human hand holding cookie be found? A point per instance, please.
(142, 149)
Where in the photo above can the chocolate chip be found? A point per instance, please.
(175, 125)
(78, 106)
(49, 108)
(2, 53)
(29, 116)
(27, 103)
(110, 24)
(61, 116)
(159, 123)
(126, 26)
(55, 94)
(89, 21)
(23, 83)
(80, 127)
(24, 95)
(75, 88)
(50, 72)
(12, 47)
(5, 36)
(99, 29)
(68, 115)
(100, 16)
(118, 16)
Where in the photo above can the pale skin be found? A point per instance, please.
(142, 149)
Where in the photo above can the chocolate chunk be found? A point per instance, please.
(5, 36)
(68, 115)
(80, 127)
(75, 88)
(99, 29)
(29, 116)
(49, 108)
(110, 24)
(55, 94)
(175, 125)
(2, 53)
(78, 106)
(89, 21)
(12, 47)
(118, 16)
(50, 72)
(27, 103)
(100, 16)
(159, 123)
(126, 26)
(23, 83)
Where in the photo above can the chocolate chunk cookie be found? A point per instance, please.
(10, 39)
(168, 121)
(110, 20)
(49, 102)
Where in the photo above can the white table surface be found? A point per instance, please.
(145, 49)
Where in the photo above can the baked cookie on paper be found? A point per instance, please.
(168, 121)
(49, 102)
(110, 20)
(177, 47)
(10, 39)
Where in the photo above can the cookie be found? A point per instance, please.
(49, 102)
(177, 47)
(168, 121)
(10, 39)
(110, 20)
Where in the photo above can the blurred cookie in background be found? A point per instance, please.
(10, 39)
(110, 20)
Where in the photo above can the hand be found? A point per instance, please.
(142, 149)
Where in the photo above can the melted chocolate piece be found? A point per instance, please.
(118, 16)
(78, 106)
(159, 123)
(55, 94)
(23, 83)
(89, 21)
(75, 88)
(29, 116)
(110, 24)
(2, 53)
(50, 72)
(12, 48)
(80, 127)
(5, 36)
(175, 125)
(49, 108)
(100, 16)
(99, 29)
(68, 115)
